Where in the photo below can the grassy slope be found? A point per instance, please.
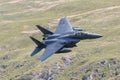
(96, 16)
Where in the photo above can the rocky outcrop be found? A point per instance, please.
(48, 72)
(2, 67)
(67, 61)
(100, 70)
(93, 71)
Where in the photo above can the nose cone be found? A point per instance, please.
(94, 36)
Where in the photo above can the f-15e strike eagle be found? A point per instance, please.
(64, 37)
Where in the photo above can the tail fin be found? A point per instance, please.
(64, 26)
(43, 30)
(39, 47)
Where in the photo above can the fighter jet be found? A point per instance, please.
(65, 36)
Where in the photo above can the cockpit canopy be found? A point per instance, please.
(81, 33)
(77, 29)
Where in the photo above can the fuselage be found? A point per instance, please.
(71, 38)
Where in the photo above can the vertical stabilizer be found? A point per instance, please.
(64, 26)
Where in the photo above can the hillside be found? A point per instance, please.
(92, 60)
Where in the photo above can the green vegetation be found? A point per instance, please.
(17, 16)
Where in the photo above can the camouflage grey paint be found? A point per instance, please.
(65, 36)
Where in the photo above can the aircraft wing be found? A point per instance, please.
(64, 26)
(50, 50)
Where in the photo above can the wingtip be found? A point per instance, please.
(65, 17)
(41, 60)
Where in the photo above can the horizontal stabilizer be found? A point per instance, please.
(43, 30)
(37, 49)
(40, 44)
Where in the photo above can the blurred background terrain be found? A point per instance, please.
(92, 60)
